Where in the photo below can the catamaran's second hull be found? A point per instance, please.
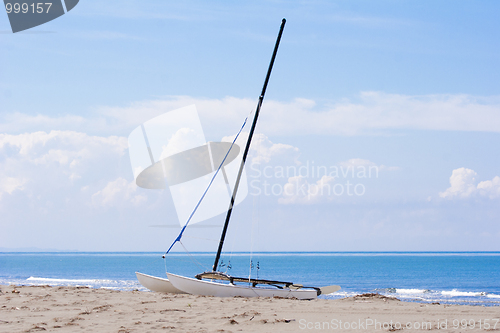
(157, 284)
(208, 288)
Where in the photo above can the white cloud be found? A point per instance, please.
(273, 163)
(118, 193)
(18, 122)
(11, 184)
(299, 191)
(490, 188)
(285, 159)
(370, 113)
(180, 141)
(59, 146)
(217, 115)
(375, 112)
(463, 185)
(264, 151)
(53, 166)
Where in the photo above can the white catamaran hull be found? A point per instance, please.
(157, 284)
(208, 288)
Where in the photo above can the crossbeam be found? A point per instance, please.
(278, 284)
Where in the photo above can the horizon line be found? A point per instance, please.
(2, 251)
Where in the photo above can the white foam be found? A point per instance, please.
(493, 296)
(339, 294)
(455, 293)
(411, 291)
(51, 280)
(91, 283)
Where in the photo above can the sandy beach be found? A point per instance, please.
(81, 309)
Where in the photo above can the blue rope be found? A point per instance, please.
(204, 193)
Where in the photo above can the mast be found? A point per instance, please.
(247, 147)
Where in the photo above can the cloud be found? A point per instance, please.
(264, 151)
(117, 193)
(218, 116)
(299, 191)
(490, 188)
(463, 185)
(182, 140)
(59, 148)
(348, 180)
(54, 166)
(276, 170)
(376, 113)
(34, 145)
(371, 113)
(19, 122)
(10, 184)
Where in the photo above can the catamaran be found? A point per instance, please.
(215, 282)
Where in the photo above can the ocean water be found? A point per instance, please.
(454, 278)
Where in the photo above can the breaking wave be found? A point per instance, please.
(428, 296)
(90, 283)
(454, 293)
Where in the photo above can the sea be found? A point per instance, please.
(471, 278)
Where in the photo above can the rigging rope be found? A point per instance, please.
(178, 239)
(192, 257)
(255, 213)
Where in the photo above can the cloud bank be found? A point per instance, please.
(63, 166)
(370, 113)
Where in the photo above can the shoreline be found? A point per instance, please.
(420, 296)
(66, 309)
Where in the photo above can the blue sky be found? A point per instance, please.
(410, 88)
